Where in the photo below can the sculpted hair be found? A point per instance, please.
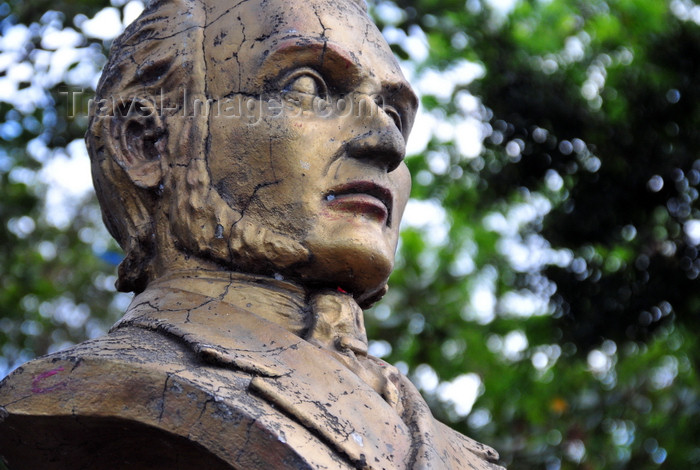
(151, 62)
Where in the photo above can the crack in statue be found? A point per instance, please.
(258, 202)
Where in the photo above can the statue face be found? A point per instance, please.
(307, 133)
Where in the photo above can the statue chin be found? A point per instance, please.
(358, 268)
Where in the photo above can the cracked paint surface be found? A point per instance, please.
(258, 217)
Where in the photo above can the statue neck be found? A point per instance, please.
(331, 319)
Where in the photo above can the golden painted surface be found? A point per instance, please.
(248, 157)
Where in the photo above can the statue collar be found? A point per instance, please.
(328, 318)
(360, 395)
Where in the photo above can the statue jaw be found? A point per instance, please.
(204, 232)
(249, 247)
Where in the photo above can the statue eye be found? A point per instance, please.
(304, 84)
(308, 82)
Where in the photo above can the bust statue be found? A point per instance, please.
(248, 157)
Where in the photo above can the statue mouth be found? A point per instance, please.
(362, 197)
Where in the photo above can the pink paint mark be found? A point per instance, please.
(44, 375)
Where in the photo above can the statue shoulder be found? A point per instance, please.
(140, 399)
(94, 405)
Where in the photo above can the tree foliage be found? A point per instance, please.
(544, 296)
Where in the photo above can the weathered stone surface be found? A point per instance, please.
(258, 215)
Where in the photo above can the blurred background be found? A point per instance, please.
(546, 290)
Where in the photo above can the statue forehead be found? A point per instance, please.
(240, 39)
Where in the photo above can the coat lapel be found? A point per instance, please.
(301, 379)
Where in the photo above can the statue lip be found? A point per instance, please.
(364, 197)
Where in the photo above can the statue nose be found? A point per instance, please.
(381, 144)
(381, 147)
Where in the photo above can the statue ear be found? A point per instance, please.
(139, 142)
